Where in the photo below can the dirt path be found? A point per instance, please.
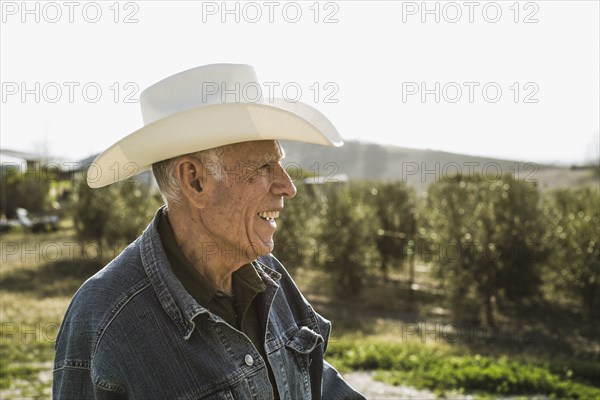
(375, 390)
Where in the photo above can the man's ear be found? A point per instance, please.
(190, 174)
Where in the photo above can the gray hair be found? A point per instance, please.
(165, 174)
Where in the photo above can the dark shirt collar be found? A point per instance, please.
(245, 281)
(192, 280)
(176, 301)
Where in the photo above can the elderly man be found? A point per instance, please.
(197, 307)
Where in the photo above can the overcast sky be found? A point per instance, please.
(514, 80)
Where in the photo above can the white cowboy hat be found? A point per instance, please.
(202, 108)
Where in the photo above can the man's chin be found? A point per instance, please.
(270, 246)
(267, 248)
(260, 249)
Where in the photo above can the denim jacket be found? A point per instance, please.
(132, 331)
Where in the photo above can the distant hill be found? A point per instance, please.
(420, 168)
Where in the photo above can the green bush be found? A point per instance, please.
(113, 216)
(486, 237)
(348, 234)
(445, 371)
(573, 218)
(27, 190)
(295, 243)
(395, 206)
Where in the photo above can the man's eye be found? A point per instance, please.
(265, 166)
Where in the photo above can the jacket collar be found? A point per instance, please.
(181, 307)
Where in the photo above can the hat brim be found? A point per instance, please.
(208, 127)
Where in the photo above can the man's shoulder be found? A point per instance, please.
(104, 292)
(96, 305)
(124, 271)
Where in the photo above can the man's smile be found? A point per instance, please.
(268, 215)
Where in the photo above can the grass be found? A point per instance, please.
(446, 370)
(28, 329)
(39, 276)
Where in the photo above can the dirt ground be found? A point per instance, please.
(375, 390)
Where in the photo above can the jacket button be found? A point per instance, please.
(249, 360)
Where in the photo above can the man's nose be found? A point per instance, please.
(282, 184)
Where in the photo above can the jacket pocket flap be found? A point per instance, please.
(304, 341)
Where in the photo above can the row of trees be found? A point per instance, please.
(488, 242)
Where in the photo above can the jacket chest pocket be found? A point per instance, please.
(302, 344)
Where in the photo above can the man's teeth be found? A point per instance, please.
(269, 214)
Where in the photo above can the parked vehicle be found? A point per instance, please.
(43, 223)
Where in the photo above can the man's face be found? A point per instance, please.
(242, 210)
